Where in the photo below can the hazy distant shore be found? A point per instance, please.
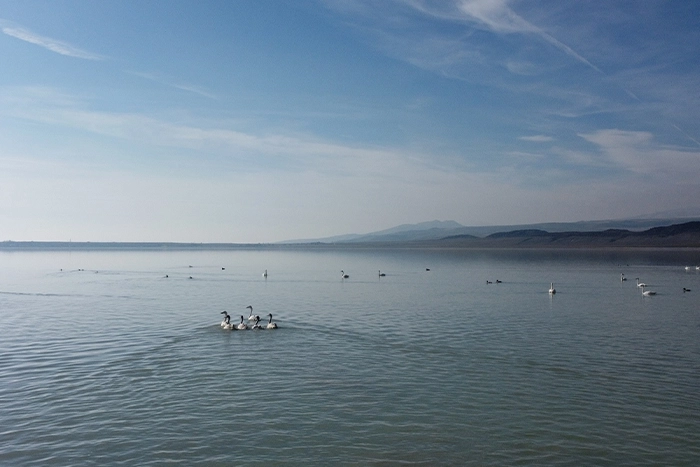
(685, 235)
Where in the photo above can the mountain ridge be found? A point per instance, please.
(430, 235)
(684, 235)
(436, 230)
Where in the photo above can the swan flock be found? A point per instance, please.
(242, 325)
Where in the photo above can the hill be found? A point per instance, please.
(438, 230)
(431, 235)
(678, 235)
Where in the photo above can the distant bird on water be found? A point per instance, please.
(640, 284)
(647, 293)
(241, 325)
(381, 274)
(343, 275)
(552, 290)
(265, 274)
(686, 290)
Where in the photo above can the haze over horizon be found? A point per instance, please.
(261, 121)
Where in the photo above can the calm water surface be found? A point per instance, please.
(106, 361)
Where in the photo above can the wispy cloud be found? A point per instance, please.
(537, 138)
(475, 41)
(48, 43)
(636, 152)
(500, 18)
(183, 87)
(496, 16)
(243, 150)
(686, 134)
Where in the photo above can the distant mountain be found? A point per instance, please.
(677, 235)
(411, 232)
(405, 232)
(426, 235)
(430, 225)
(436, 230)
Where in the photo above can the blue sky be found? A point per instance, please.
(259, 121)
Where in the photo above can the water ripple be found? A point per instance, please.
(424, 370)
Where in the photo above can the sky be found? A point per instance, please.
(269, 120)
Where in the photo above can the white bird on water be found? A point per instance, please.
(241, 325)
(552, 290)
(640, 284)
(226, 323)
(270, 324)
(252, 316)
(647, 293)
(343, 275)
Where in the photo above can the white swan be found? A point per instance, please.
(270, 324)
(552, 290)
(241, 325)
(622, 278)
(343, 275)
(252, 316)
(640, 284)
(227, 319)
(647, 293)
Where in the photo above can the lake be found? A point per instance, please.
(106, 361)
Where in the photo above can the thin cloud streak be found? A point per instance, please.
(499, 18)
(54, 45)
(537, 138)
(687, 135)
(475, 46)
(166, 82)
